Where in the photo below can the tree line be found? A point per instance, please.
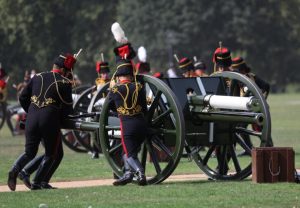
(264, 32)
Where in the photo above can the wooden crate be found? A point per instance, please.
(273, 164)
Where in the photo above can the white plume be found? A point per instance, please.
(118, 33)
(142, 54)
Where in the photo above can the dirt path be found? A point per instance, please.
(103, 182)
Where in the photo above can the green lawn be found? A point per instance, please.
(77, 166)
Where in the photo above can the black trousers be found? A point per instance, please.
(42, 124)
(133, 133)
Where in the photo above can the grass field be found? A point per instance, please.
(75, 166)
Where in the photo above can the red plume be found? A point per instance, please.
(69, 61)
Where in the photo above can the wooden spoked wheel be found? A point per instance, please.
(230, 159)
(162, 148)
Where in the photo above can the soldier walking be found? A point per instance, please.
(47, 100)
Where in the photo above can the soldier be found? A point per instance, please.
(47, 99)
(238, 64)
(103, 71)
(200, 68)
(142, 67)
(129, 98)
(222, 59)
(23, 84)
(16, 112)
(222, 62)
(187, 67)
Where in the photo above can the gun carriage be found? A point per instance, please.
(197, 115)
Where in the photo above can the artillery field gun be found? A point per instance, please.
(197, 115)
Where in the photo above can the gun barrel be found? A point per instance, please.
(230, 116)
(224, 102)
(80, 125)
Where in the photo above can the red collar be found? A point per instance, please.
(125, 81)
(57, 71)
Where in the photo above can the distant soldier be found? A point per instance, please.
(222, 62)
(102, 69)
(22, 84)
(187, 67)
(200, 68)
(47, 99)
(222, 59)
(238, 64)
(142, 67)
(16, 112)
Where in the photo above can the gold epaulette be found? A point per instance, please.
(100, 82)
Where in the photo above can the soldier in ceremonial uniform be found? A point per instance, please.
(142, 67)
(200, 68)
(129, 98)
(103, 71)
(187, 67)
(222, 59)
(239, 65)
(47, 99)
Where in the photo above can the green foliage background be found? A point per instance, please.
(264, 32)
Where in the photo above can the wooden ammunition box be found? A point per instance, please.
(273, 164)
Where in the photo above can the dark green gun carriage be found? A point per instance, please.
(198, 116)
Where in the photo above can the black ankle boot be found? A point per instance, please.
(25, 178)
(138, 169)
(126, 178)
(36, 186)
(95, 155)
(46, 185)
(141, 179)
(12, 178)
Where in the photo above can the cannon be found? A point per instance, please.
(87, 100)
(198, 115)
(70, 137)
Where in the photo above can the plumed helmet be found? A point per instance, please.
(102, 67)
(124, 67)
(200, 65)
(222, 57)
(239, 64)
(65, 61)
(186, 64)
(125, 51)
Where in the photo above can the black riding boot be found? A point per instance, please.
(136, 166)
(42, 172)
(128, 174)
(32, 166)
(13, 173)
